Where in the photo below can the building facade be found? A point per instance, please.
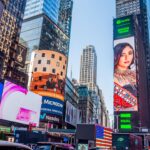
(88, 68)
(42, 34)
(47, 7)
(12, 53)
(127, 7)
(71, 104)
(85, 104)
(65, 16)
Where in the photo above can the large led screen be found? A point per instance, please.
(48, 74)
(52, 106)
(72, 114)
(44, 117)
(1, 89)
(20, 105)
(125, 84)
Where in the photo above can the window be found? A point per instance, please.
(53, 71)
(63, 67)
(60, 58)
(36, 87)
(52, 56)
(61, 73)
(39, 61)
(35, 69)
(43, 54)
(44, 68)
(48, 61)
(40, 77)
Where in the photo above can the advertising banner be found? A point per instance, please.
(49, 73)
(21, 55)
(44, 117)
(52, 106)
(20, 105)
(72, 114)
(125, 84)
(123, 27)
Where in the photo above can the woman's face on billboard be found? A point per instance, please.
(125, 58)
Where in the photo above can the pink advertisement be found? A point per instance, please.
(20, 105)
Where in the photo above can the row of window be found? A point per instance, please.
(48, 62)
(45, 69)
(52, 56)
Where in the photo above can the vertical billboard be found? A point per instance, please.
(20, 105)
(49, 73)
(21, 55)
(72, 114)
(123, 27)
(125, 84)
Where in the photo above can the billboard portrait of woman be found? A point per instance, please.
(125, 87)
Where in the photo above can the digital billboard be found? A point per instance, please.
(125, 84)
(52, 106)
(49, 73)
(20, 105)
(1, 89)
(72, 114)
(123, 27)
(44, 117)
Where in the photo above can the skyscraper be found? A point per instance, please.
(47, 39)
(137, 28)
(88, 68)
(12, 53)
(47, 7)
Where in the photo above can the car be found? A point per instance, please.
(5, 145)
(53, 146)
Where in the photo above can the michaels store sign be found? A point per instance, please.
(52, 106)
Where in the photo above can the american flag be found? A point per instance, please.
(103, 137)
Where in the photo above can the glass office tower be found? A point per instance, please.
(47, 7)
(41, 33)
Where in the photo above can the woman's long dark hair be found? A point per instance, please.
(118, 51)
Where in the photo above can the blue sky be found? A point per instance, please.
(92, 23)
